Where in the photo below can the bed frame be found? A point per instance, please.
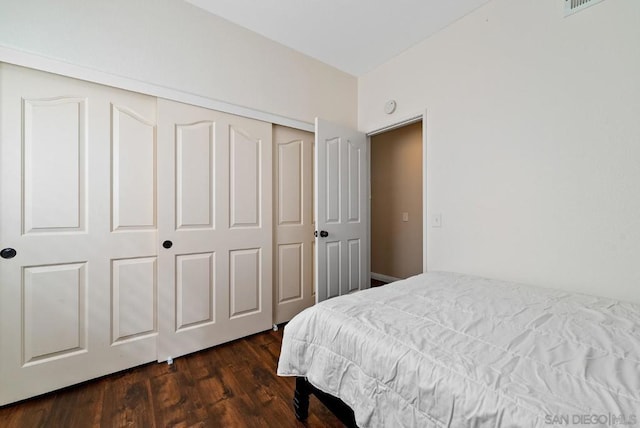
(338, 407)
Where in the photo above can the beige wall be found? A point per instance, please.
(533, 142)
(396, 187)
(175, 45)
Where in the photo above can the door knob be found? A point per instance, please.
(323, 234)
(167, 244)
(8, 253)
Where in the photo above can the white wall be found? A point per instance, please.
(533, 134)
(176, 45)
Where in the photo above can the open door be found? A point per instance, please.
(341, 207)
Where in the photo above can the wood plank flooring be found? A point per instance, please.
(231, 385)
(377, 283)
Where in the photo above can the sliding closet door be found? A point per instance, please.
(215, 228)
(78, 225)
(294, 222)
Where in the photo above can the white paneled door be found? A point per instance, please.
(78, 231)
(215, 221)
(294, 222)
(341, 205)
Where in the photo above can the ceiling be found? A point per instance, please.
(355, 36)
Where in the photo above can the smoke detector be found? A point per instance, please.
(390, 106)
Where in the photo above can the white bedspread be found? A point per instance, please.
(450, 350)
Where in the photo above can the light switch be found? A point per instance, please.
(405, 216)
(436, 220)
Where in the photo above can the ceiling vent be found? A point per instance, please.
(573, 6)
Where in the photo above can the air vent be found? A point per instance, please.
(573, 6)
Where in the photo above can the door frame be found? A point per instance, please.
(421, 117)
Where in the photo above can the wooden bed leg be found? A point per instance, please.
(301, 398)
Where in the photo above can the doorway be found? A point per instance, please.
(397, 203)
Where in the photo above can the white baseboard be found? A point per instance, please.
(385, 278)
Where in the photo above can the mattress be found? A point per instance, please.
(450, 350)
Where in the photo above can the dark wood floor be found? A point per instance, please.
(232, 385)
(377, 282)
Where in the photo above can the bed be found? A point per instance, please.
(450, 350)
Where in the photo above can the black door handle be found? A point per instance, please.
(323, 233)
(8, 253)
(167, 244)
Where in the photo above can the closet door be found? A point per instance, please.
(215, 228)
(294, 223)
(77, 165)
